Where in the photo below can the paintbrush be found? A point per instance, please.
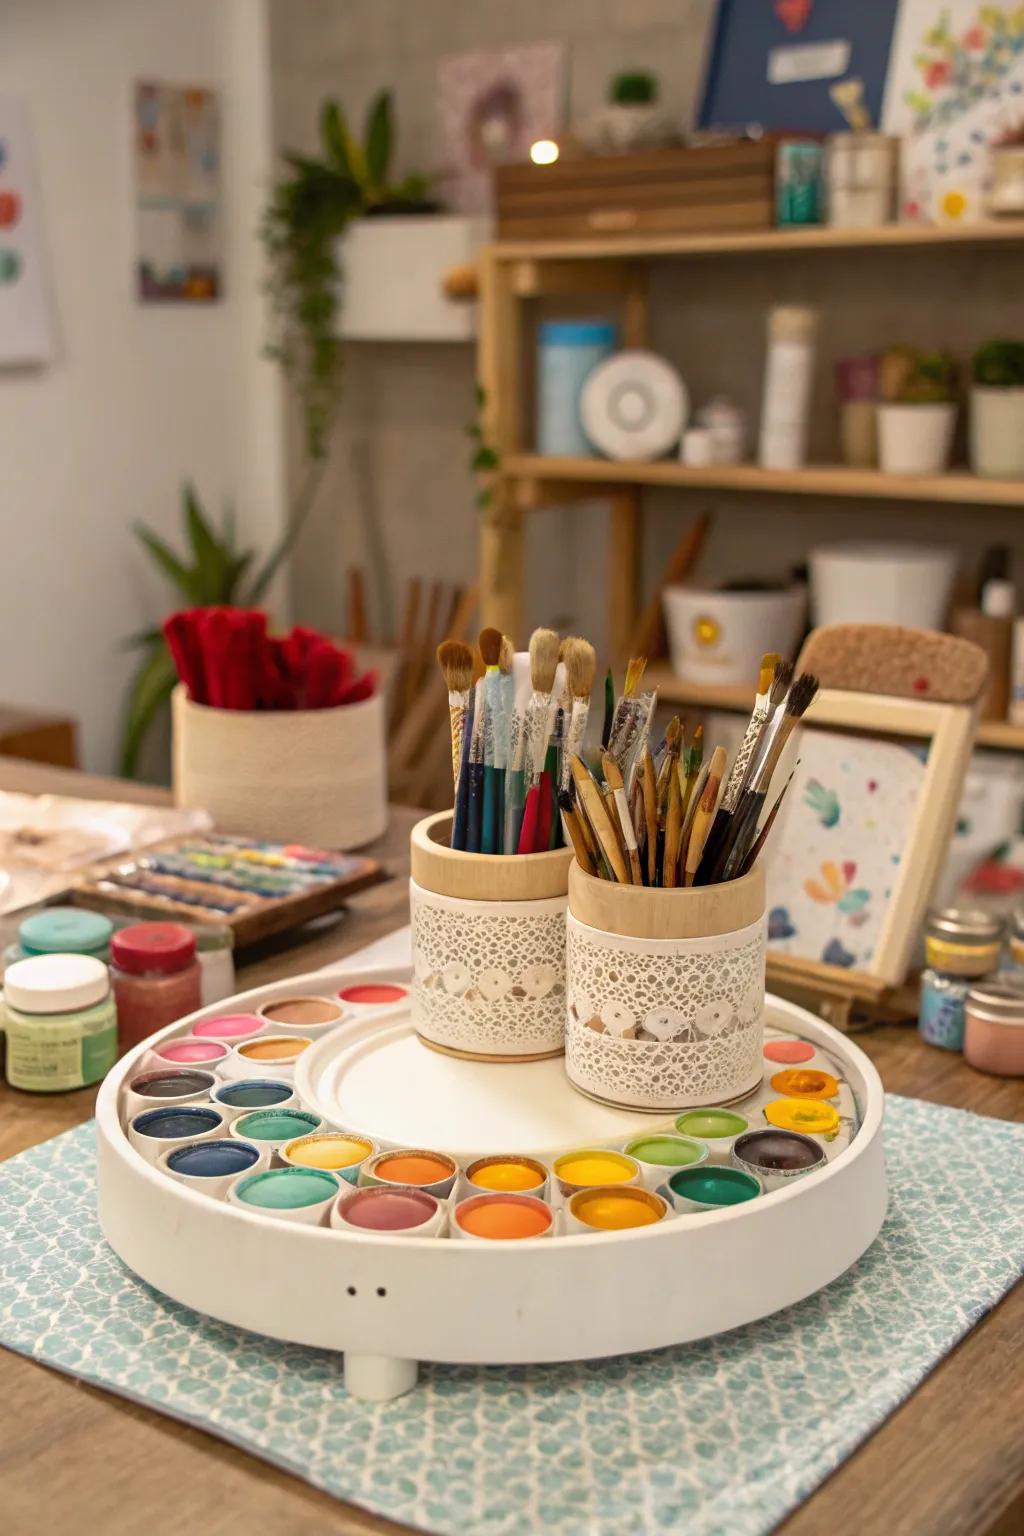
(609, 707)
(597, 858)
(613, 779)
(490, 649)
(630, 713)
(580, 665)
(456, 662)
(461, 821)
(757, 845)
(543, 666)
(574, 832)
(770, 749)
(673, 833)
(593, 806)
(670, 757)
(475, 769)
(503, 733)
(704, 815)
(770, 693)
(650, 791)
(689, 768)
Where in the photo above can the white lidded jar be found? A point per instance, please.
(60, 1021)
(789, 375)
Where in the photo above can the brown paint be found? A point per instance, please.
(302, 1011)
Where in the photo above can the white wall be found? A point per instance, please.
(140, 397)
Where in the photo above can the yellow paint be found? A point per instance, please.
(276, 1049)
(589, 1168)
(806, 1115)
(615, 1211)
(327, 1151)
(511, 1177)
(805, 1083)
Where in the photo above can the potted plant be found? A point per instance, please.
(997, 411)
(916, 412)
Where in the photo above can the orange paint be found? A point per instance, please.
(414, 1168)
(617, 1210)
(805, 1083)
(501, 1217)
(278, 1048)
(509, 1175)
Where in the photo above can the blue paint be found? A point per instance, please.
(213, 1159)
(255, 1093)
(189, 1120)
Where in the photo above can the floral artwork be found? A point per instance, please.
(956, 84)
(178, 206)
(838, 846)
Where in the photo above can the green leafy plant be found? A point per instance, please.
(309, 209)
(214, 571)
(484, 462)
(637, 89)
(1000, 365)
(911, 377)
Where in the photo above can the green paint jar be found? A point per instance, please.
(62, 931)
(60, 1021)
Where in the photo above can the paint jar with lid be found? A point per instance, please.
(215, 948)
(60, 1022)
(157, 979)
(62, 931)
(994, 1036)
(567, 352)
(1016, 939)
(961, 944)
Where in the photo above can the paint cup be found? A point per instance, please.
(692, 1191)
(788, 1053)
(183, 1051)
(592, 1168)
(309, 1017)
(373, 994)
(805, 1083)
(274, 1128)
(211, 1166)
(150, 1090)
(777, 1157)
(614, 1209)
(506, 1174)
(230, 1029)
(502, 1218)
(433, 1171)
(389, 1211)
(248, 1093)
(302, 1195)
(340, 1154)
(717, 1128)
(810, 1117)
(660, 1156)
(267, 1056)
(158, 1130)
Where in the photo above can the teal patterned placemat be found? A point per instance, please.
(726, 1435)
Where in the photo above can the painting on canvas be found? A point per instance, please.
(26, 315)
(955, 85)
(491, 108)
(177, 173)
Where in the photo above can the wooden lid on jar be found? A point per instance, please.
(447, 871)
(690, 912)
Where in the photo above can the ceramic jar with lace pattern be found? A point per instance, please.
(665, 992)
(488, 948)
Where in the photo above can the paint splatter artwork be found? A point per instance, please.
(955, 86)
(839, 845)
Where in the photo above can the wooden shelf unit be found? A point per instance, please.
(737, 697)
(512, 272)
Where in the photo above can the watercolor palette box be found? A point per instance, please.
(304, 1130)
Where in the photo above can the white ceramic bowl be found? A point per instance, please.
(870, 582)
(720, 637)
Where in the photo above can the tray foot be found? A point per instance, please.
(378, 1378)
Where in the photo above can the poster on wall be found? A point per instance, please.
(27, 328)
(955, 87)
(177, 181)
(491, 107)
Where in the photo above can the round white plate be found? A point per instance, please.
(634, 406)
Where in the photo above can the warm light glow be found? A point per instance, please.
(544, 152)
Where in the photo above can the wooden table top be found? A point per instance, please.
(950, 1460)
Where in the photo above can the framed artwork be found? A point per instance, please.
(177, 179)
(491, 107)
(27, 328)
(956, 83)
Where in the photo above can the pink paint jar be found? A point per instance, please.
(156, 978)
(994, 1034)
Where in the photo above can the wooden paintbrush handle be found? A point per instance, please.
(604, 831)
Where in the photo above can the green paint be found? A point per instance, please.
(276, 1125)
(714, 1186)
(708, 1124)
(287, 1189)
(666, 1151)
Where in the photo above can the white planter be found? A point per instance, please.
(881, 583)
(392, 274)
(915, 439)
(997, 432)
(315, 776)
(720, 637)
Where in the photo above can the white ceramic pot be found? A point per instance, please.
(881, 583)
(1007, 195)
(394, 269)
(915, 439)
(997, 432)
(316, 776)
(720, 637)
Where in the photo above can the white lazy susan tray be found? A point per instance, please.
(388, 1301)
